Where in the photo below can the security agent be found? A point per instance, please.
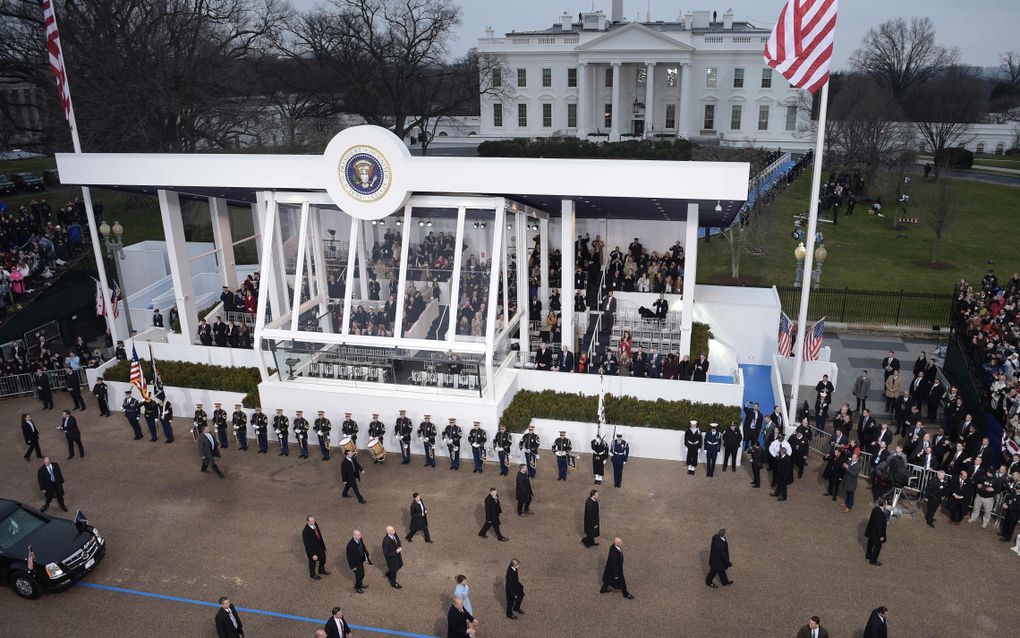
(731, 439)
(529, 443)
(502, 443)
(477, 438)
(102, 393)
(130, 406)
(239, 422)
(350, 427)
(427, 433)
(562, 448)
(322, 428)
(712, 444)
(301, 433)
(620, 452)
(219, 419)
(200, 420)
(452, 436)
(166, 419)
(403, 429)
(260, 423)
(281, 426)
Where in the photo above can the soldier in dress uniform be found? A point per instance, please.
(477, 438)
(301, 432)
(599, 454)
(239, 421)
(130, 407)
(451, 436)
(166, 419)
(281, 425)
(102, 393)
(562, 448)
(322, 428)
(692, 441)
(200, 419)
(151, 411)
(260, 423)
(403, 430)
(620, 452)
(712, 444)
(376, 430)
(219, 419)
(501, 443)
(427, 433)
(529, 443)
(350, 427)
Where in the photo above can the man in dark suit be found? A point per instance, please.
(492, 512)
(459, 621)
(523, 492)
(700, 369)
(315, 548)
(813, 629)
(875, 533)
(31, 435)
(877, 626)
(69, 425)
(655, 364)
(543, 358)
(591, 519)
(612, 575)
(718, 560)
(43, 390)
(228, 623)
(350, 473)
(783, 474)
(639, 362)
(890, 364)
(661, 306)
(357, 556)
(961, 491)
(392, 551)
(865, 428)
(566, 360)
(51, 482)
(419, 519)
(608, 312)
(731, 445)
(209, 450)
(514, 589)
(336, 626)
(753, 420)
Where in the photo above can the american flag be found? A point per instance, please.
(100, 306)
(56, 56)
(137, 379)
(785, 335)
(813, 343)
(115, 298)
(800, 46)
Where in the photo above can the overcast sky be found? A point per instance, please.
(982, 29)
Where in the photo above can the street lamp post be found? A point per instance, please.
(799, 253)
(113, 240)
(820, 254)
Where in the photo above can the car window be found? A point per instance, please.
(16, 527)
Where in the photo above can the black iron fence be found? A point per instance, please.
(877, 307)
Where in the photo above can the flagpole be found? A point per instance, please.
(805, 290)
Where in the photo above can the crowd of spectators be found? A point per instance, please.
(50, 355)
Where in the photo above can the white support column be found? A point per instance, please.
(649, 98)
(583, 97)
(256, 222)
(543, 260)
(265, 263)
(567, 272)
(490, 319)
(614, 130)
(690, 276)
(349, 283)
(683, 112)
(278, 275)
(405, 248)
(458, 260)
(180, 262)
(521, 258)
(363, 262)
(318, 253)
(299, 268)
(223, 240)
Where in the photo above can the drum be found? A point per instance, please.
(375, 446)
(347, 444)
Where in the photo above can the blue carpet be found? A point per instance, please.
(758, 386)
(757, 192)
(720, 378)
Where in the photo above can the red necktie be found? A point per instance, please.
(317, 534)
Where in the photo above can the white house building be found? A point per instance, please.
(600, 77)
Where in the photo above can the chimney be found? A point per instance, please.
(727, 19)
(566, 22)
(617, 11)
(490, 32)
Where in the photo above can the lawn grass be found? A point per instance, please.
(29, 165)
(997, 161)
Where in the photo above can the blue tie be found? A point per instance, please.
(52, 477)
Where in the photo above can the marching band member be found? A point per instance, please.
(403, 430)
(301, 432)
(620, 452)
(151, 411)
(376, 430)
(502, 443)
(562, 448)
(166, 419)
(477, 437)
(350, 427)
(219, 419)
(599, 454)
(239, 420)
(451, 436)
(322, 428)
(281, 425)
(529, 443)
(260, 422)
(200, 419)
(427, 432)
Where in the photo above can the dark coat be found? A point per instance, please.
(394, 560)
(876, 627)
(514, 588)
(55, 486)
(805, 632)
(492, 510)
(30, 435)
(70, 428)
(719, 554)
(350, 470)
(225, 628)
(332, 631)
(523, 487)
(357, 554)
(875, 532)
(613, 572)
(419, 520)
(457, 622)
(315, 545)
(784, 470)
(591, 518)
(208, 448)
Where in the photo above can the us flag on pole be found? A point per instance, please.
(137, 379)
(100, 306)
(56, 56)
(813, 343)
(115, 298)
(800, 46)
(785, 335)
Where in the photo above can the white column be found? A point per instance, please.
(614, 130)
(223, 240)
(180, 262)
(266, 230)
(498, 262)
(567, 271)
(690, 276)
(458, 262)
(299, 268)
(318, 252)
(256, 224)
(364, 248)
(521, 258)
(683, 113)
(543, 260)
(583, 97)
(649, 98)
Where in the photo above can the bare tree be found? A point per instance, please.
(1009, 68)
(944, 108)
(943, 211)
(1005, 97)
(901, 56)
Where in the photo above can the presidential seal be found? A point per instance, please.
(364, 173)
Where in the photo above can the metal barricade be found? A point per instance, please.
(7, 350)
(246, 318)
(49, 330)
(16, 385)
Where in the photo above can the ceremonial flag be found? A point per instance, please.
(100, 306)
(137, 379)
(785, 335)
(80, 521)
(115, 298)
(800, 46)
(56, 55)
(157, 383)
(813, 343)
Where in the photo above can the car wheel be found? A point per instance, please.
(25, 586)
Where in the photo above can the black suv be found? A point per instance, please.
(6, 185)
(64, 552)
(28, 181)
(51, 176)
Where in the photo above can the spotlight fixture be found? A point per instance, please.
(718, 207)
(400, 222)
(509, 227)
(382, 222)
(375, 222)
(428, 223)
(483, 225)
(421, 223)
(476, 225)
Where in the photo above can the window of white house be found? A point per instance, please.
(546, 78)
(791, 118)
(547, 115)
(522, 115)
(671, 116)
(766, 78)
(497, 115)
(709, 117)
(522, 78)
(609, 77)
(572, 115)
(609, 116)
(735, 111)
(572, 78)
(672, 76)
(1000, 148)
(711, 77)
(738, 78)
(497, 77)
(980, 148)
(763, 118)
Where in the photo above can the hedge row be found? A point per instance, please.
(561, 406)
(196, 375)
(700, 334)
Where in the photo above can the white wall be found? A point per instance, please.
(211, 355)
(644, 389)
(654, 235)
(746, 319)
(811, 372)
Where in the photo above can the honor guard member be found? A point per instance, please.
(427, 433)
(620, 452)
(502, 443)
(562, 448)
(131, 407)
(712, 444)
(322, 428)
(376, 430)
(239, 420)
(219, 419)
(452, 436)
(599, 454)
(166, 419)
(301, 432)
(200, 419)
(260, 423)
(281, 425)
(477, 438)
(102, 393)
(350, 427)
(529, 443)
(692, 440)
(151, 411)
(403, 430)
